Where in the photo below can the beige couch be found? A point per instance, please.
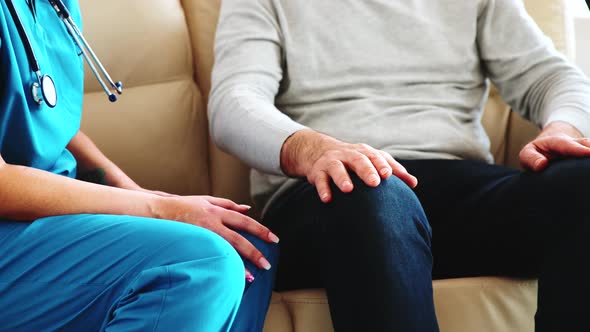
(157, 132)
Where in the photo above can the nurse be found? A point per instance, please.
(80, 256)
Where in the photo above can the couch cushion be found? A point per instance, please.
(462, 305)
(157, 131)
(278, 318)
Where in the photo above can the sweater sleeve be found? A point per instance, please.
(246, 77)
(536, 80)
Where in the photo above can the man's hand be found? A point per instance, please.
(322, 159)
(558, 140)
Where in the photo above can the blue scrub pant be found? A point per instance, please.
(121, 273)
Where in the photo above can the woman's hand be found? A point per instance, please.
(221, 216)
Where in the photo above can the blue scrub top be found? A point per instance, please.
(31, 134)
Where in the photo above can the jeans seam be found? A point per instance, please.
(163, 303)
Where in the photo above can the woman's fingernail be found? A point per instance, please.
(325, 196)
(246, 206)
(273, 238)
(538, 163)
(384, 171)
(346, 184)
(249, 277)
(264, 263)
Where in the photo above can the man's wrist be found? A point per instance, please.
(300, 151)
(290, 152)
(560, 127)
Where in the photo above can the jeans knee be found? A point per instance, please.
(391, 209)
(562, 186)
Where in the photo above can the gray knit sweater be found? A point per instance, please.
(409, 77)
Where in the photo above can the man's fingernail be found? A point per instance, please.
(538, 163)
(264, 263)
(324, 196)
(384, 171)
(246, 206)
(346, 184)
(273, 238)
(374, 178)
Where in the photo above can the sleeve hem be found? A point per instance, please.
(575, 117)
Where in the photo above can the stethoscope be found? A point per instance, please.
(45, 83)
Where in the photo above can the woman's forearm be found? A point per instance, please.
(90, 158)
(27, 194)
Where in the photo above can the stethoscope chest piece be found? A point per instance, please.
(48, 92)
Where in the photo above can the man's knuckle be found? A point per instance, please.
(334, 164)
(368, 171)
(358, 157)
(332, 154)
(373, 155)
(363, 146)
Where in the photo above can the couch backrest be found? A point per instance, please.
(162, 51)
(157, 131)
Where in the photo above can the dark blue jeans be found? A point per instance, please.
(373, 251)
(256, 299)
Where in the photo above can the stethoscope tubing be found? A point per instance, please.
(117, 86)
(87, 52)
(32, 58)
(112, 97)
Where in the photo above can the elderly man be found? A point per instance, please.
(319, 97)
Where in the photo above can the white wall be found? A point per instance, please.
(581, 15)
(583, 43)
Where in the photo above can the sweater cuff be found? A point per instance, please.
(575, 117)
(276, 138)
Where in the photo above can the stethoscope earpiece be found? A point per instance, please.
(119, 87)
